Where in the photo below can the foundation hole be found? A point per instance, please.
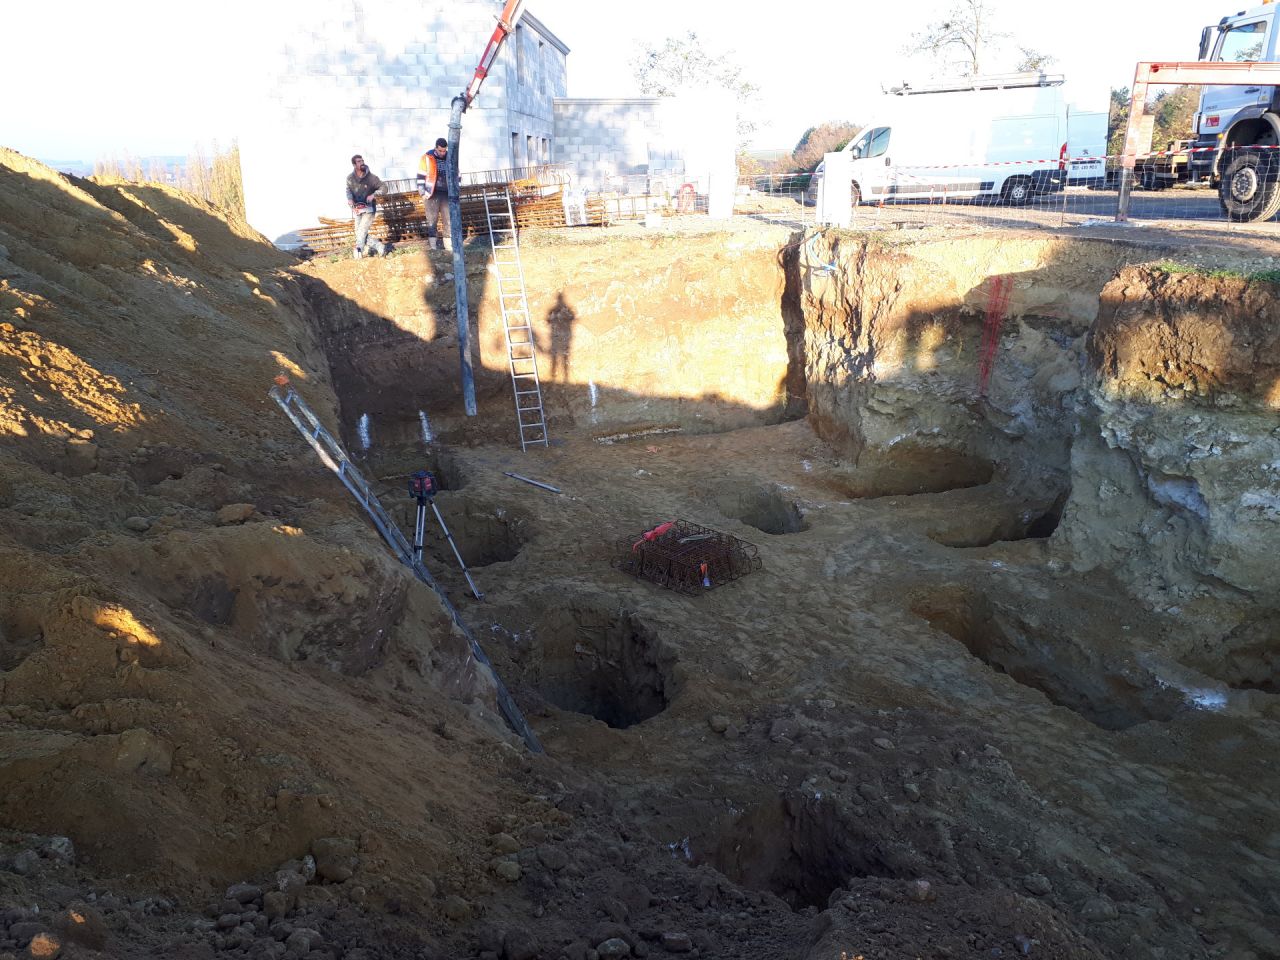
(610, 666)
(1248, 658)
(797, 848)
(907, 470)
(767, 510)
(482, 539)
(1113, 698)
(978, 527)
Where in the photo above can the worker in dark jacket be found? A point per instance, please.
(434, 188)
(363, 187)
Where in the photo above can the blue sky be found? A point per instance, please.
(157, 80)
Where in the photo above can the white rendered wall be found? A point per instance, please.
(376, 77)
(694, 135)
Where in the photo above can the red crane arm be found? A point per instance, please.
(506, 23)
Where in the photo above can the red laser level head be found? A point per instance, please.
(422, 485)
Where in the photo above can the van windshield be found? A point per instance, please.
(859, 147)
(879, 142)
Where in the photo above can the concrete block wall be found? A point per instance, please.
(606, 138)
(376, 77)
(692, 135)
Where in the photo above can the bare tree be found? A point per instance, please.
(967, 30)
(685, 63)
(1033, 60)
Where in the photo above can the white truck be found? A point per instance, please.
(1232, 119)
(1009, 137)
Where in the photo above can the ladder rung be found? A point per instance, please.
(520, 375)
(528, 393)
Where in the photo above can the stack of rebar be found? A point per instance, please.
(537, 199)
(686, 557)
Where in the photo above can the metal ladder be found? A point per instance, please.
(331, 454)
(522, 350)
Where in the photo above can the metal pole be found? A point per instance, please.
(459, 263)
(1137, 106)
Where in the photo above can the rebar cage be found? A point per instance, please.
(689, 558)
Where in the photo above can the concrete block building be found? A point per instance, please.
(377, 77)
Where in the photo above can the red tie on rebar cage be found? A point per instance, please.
(998, 290)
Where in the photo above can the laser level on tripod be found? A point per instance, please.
(423, 488)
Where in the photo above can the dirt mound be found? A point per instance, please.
(179, 607)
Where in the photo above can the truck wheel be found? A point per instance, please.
(1016, 191)
(855, 195)
(1248, 189)
(1150, 181)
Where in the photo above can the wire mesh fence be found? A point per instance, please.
(777, 197)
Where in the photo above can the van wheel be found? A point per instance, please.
(1248, 190)
(1016, 191)
(855, 195)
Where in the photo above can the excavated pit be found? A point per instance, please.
(608, 665)
(1066, 671)
(20, 636)
(800, 848)
(995, 524)
(483, 539)
(767, 510)
(1248, 659)
(909, 470)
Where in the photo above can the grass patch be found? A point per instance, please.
(1260, 276)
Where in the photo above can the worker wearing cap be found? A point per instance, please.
(362, 189)
(434, 188)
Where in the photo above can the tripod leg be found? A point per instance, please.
(419, 537)
(449, 536)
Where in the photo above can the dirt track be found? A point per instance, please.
(1000, 689)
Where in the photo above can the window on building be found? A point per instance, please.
(546, 150)
(515, 148)
(530, 151)
(541, 67)
(522, 68)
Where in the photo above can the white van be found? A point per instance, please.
(1005, 137)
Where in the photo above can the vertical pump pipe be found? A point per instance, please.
(459, 263)
(511, 13)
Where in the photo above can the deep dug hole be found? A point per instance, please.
(1068, 670)
(800, 848)
(483, 537)
(609, 665)
(766, 508)
(908, 469)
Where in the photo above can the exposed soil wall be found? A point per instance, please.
(1147, 396)
(685, 337)
(178, 594)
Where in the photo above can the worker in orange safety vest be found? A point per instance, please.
(434, 188)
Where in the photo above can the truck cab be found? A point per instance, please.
(1233, 118)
